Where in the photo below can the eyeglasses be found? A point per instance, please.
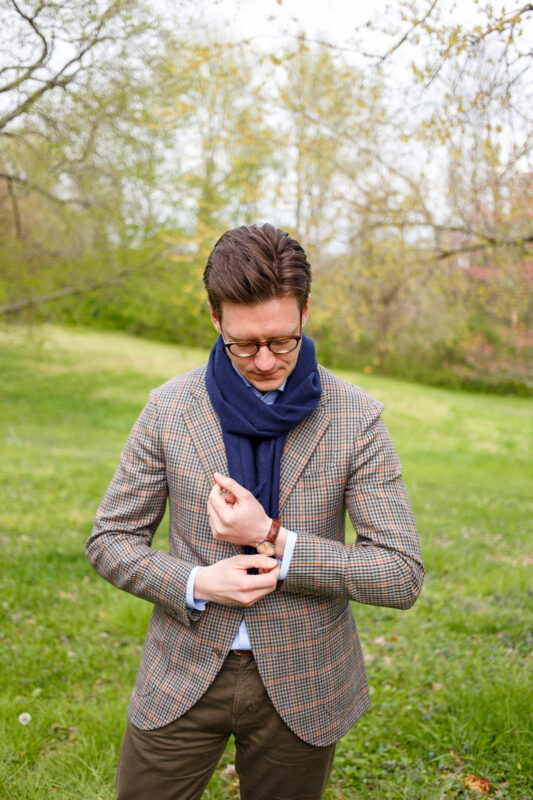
(277, 346)
(286, 344)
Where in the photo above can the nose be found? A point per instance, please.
(265, 360)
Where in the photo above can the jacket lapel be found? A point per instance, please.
(204, 426)
(301, 442)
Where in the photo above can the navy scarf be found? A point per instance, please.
(254, 433)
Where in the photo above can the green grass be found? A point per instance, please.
(450, 679)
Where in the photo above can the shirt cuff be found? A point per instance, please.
(190, 602)
(288, 550)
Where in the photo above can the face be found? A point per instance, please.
(260, 322)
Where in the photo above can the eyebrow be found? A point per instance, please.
(268, 339)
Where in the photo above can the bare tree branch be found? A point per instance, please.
(507, 21)
(62, 77)
(14, 206)
(416, 24)
(67, 291)
(63, 201)
(481, 246)
(59, 80)
(486, 242)
(41, 60)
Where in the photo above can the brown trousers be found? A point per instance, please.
(176, 762)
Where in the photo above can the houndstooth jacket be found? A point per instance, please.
(303, 634)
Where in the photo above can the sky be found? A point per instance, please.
(334, 20)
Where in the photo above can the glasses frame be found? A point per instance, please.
(258, 345)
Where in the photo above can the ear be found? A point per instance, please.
(305, 311)
(215, 319)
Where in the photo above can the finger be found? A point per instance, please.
(258, 561)
(215, 523)
(261, 581)
(261, 570)
(214, 509)
(224, 482)
(228, 496)
(218, 507)
(217, 493)
(216, 502)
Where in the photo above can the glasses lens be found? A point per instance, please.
(278, 346)
(243, 349)
(284, 345)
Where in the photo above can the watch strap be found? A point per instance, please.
(272, 535)
(267, 546)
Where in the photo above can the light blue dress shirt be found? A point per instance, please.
(242, 641)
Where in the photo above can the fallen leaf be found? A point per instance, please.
(476, 784)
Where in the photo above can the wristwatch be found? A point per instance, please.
(267, 546)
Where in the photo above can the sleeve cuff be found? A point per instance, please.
(290, 543)
(191, 603)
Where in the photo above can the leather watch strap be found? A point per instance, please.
(272, 535)
(268, 545)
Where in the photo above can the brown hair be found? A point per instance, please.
(255, 263)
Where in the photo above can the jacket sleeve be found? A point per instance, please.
(384, 566)
(119, 547)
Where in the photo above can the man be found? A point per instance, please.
(259, 454)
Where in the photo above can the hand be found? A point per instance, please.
(234, 513)
(227, 582)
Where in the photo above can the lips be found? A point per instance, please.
(266, 376)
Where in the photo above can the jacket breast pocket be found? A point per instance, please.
(325, 478)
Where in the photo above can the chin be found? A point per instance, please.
(267, 384)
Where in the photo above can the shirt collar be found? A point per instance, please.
(254, 389)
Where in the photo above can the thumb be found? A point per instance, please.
(229, 484)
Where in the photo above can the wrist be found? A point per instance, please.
(200, 588)
(280, 542)
(267, 545)
(263, 531)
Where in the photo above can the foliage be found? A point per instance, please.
(130, 140)
(450, 679)
(79, 159)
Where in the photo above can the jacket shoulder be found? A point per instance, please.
(181, 390)
(348, 396)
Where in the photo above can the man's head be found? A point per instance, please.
(255, 263)
(258, 280)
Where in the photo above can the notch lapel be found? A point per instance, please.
(204, 426)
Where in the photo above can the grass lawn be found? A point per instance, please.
(451, 678)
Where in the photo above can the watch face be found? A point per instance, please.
(266, 548)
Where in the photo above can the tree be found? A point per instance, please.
(226, 149)
(84, 88)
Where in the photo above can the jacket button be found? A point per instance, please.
(217, 651)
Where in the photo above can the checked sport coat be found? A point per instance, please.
(303, 634)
